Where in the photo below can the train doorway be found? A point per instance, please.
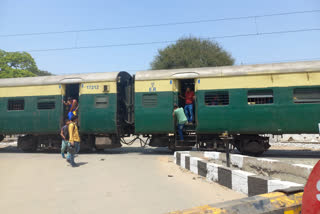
(183, 100)
(72, 91)
(186, 100)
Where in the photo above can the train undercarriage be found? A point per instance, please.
(246, 144)
(30, 143)
(253, 145)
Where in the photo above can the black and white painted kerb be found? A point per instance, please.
(238, 180)
(297, 173)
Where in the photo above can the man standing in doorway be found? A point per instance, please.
(181, 119)
(73, 107)
(188, 108)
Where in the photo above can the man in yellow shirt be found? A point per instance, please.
(74, 140)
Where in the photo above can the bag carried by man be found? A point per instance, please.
(71, 149)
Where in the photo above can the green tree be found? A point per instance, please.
(42, 73)
(18, 64)
(191, 53)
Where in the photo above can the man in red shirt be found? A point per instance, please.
(188, 108)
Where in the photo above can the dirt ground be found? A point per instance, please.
(124, 180)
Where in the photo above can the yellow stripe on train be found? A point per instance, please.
(98, 88)
(234, 82)
(25, 91)
(52, 90)
(156, 85)
(259, 81)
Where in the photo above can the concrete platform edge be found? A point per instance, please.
(237, 180)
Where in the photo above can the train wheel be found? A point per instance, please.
(172, 146)
(251, 148)
(252, 145)
(28, 143)
(1, 137)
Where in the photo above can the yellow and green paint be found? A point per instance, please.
(30, 120)
(48, 121)
(237, 117)
(93, 118)
(275, 202)
(156, 118)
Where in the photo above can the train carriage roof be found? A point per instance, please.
(239, 70)
(60, 79)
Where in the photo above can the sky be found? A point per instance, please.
(33, 16)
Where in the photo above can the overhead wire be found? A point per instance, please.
(161, 24)
(255, 17)
(172, 41)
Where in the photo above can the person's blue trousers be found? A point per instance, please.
(188, 109)
(64, 146)
(180, 131)
(71, 156)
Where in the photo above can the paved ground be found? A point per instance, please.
(293, 153)
(125, 180)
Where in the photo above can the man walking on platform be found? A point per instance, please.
(65, 137)
(74, 141)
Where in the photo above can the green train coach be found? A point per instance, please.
(247, 101)
(32, 107)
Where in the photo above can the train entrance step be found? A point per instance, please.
(190, 127)
(189, 135)
(188, 140)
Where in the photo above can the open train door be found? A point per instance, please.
(311, 195)
(190, 138)
(183, 85)
(71, 91)
(69, 88)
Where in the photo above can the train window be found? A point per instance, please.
(149, 100)
(45, 103)
(216, 98)
(306, 95)
(101, 101)
(257, 97)
(16, 105)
